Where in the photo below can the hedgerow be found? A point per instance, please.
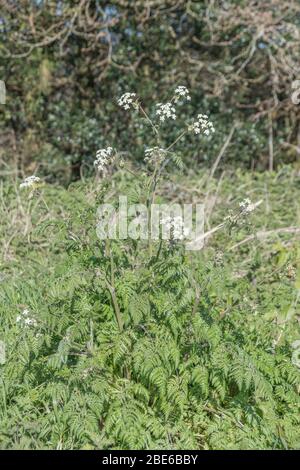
(64, 62)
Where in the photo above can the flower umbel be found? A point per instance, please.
(182, 92)
(175, 227)
(203, 125)
(31, 182)
(246, 206)
(103, 156)
(127, 100)
(165, 111)
(241, 217)
(25, 319)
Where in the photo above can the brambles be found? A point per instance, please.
(240, 58)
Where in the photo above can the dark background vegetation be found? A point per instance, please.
(65, 63)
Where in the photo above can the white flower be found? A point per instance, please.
(30, 322)
(30, 182)
(247, 206)
(175, 227)
(102, 158)
(165, 111)
(127, 100)
(202, 125)
(25, 319)
(182, 92)
(240, 218)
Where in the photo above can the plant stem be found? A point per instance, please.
(112, 290)
(149, 120)
(176, 140)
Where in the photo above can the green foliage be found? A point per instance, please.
(203, 359)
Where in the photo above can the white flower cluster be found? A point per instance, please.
(182, 92)
(154, 155)
(175, 226)
(30, 182)
(246, 206)
(202, 125)
(25, 319)
(127, 100)
(240, 218)
(102, 158)
(165, 111)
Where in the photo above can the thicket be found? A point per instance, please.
(64, 63)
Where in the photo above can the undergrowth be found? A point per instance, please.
(203, 357)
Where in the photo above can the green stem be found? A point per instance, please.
(112, 290)
(176, 140)
(148, 119)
